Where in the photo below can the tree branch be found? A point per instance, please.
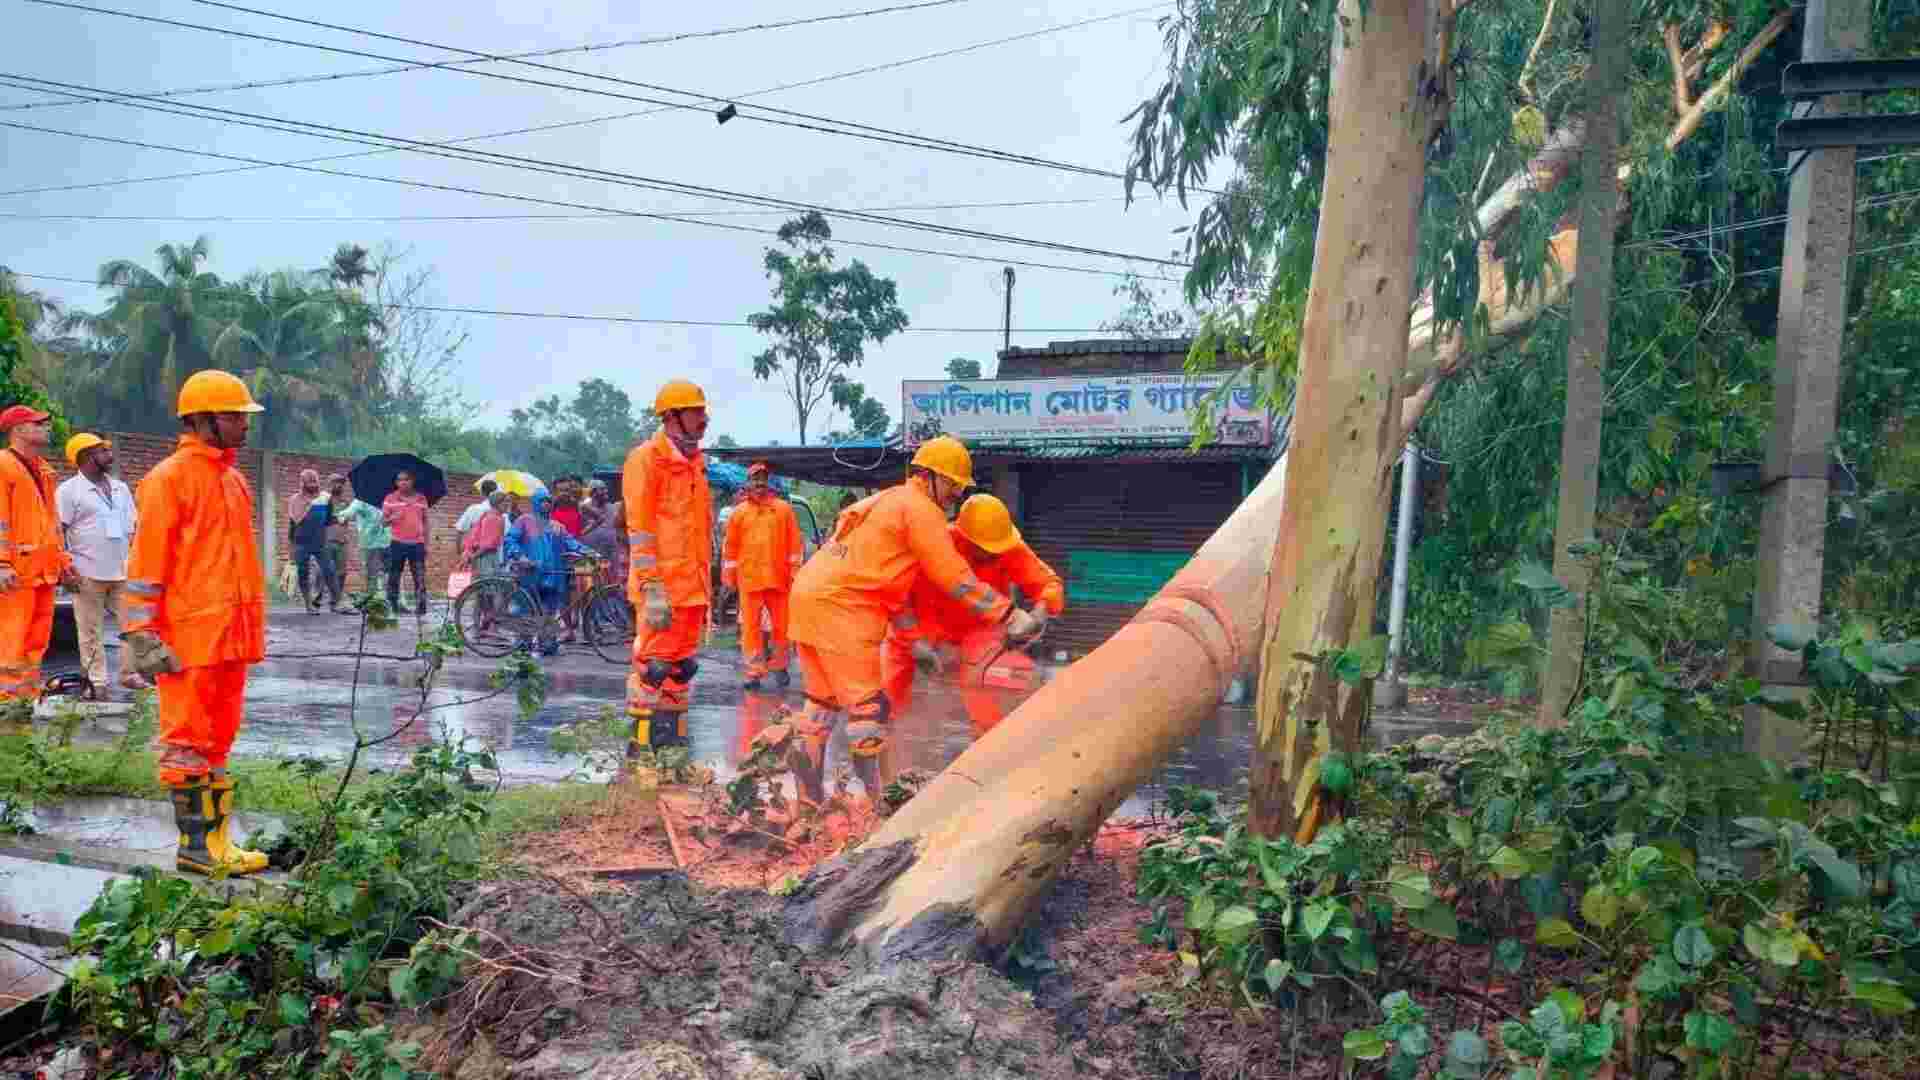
(1695, 59)
(1525, 82)
(1691, 119)
(1682, 96)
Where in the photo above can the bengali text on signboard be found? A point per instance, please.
(1120, 408)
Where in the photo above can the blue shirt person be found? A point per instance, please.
(536, 548)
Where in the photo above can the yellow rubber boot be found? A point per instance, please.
(203, 810)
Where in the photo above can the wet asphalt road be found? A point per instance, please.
(302, 701)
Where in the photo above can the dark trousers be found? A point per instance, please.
(328, 583)
(399, 557)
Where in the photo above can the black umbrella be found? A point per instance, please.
(372, 479)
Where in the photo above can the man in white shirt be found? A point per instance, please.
(97, 518)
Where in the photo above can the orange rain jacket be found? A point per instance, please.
(763, 547)
(194, 575)
(29, 526)
(669, 523)
(930, 613)
(846, 594)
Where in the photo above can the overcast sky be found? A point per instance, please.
(1058, 95)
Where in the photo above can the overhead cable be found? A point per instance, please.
(539, 128)
(590, 47)
(850, 129)
(570, 317)
(583, 172)
(538, 200)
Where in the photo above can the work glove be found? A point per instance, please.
(1022, 626)
(927, 658)
(658, 612)
(151, 656)
(8, 579)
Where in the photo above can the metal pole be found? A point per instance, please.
(1806, 388)
(1390, 691)
(1007, 341)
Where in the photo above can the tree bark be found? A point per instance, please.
(1346, 422)
(1587, 354)
(957, 869)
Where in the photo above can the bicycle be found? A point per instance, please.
(496, 613)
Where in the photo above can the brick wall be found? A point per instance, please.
(135, 454)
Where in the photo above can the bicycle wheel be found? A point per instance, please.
(495, 613)
(607, 618)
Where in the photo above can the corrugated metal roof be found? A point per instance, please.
(1101, 345)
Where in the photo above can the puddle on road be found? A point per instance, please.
(303, 703)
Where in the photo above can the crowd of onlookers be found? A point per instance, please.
(393, 537)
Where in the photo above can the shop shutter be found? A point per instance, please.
(1116, 533)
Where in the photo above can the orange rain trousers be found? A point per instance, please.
(773, 602)
(843, 682)
(677, 642)
(26, 625)
(200, 710)
(985, 705)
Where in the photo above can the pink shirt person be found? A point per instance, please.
(406, 515)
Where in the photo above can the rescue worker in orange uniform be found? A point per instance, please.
(197, 613)
(937, 634)
(33, 560)
(762, 553)
(670, 576)
(846, 595)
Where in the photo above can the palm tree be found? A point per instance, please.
(289, 343)
(162, 327)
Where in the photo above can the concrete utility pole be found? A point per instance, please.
(1390, 690)
(1606, 86)
(1806, 384)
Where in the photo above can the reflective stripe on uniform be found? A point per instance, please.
(643, 539)
(730, 564)
(144, 588)
(645, 562)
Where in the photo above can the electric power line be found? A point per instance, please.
(541, 165)
(634, 319)
(848, 128)
(537, 200)
(590, 47)
(224, 219)
(814, 81)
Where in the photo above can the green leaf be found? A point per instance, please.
(1317, 917)
(293, 1009)
(1906, 880)
(1410, 888)
(1200, 912)
(1600, 907)
(1843, 875)
(1692, 947)
(1710, 1032)
(1883, 997)
(400, 985)
(1460, 831)
(1510, 954)
(1276, 974)
(1235, 924)
(1414, 1041)
(1467, 1056)
(1744, 1006)
(1365, 1044)
(1556, 934)
(1510, 863)
(1436, 920)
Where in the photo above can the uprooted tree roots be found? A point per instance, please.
(658, 978)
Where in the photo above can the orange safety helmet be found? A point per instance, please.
(947, 456)
(82, 443)
(215, 392)
(985, 521)
(678, 394)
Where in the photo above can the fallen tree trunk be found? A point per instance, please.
(956, 869)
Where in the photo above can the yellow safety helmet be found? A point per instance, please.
(947, 456)
(678, 394)
(985, 521)
(82, 443)
(215, 392)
